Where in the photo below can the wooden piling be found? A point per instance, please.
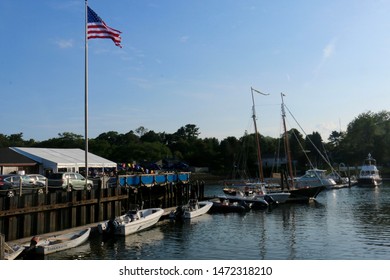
(2, 246)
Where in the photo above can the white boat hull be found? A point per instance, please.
(203, 208)
(126, 225)
(62, 242)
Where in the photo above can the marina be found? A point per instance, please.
(341, 224)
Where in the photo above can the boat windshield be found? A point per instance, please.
(314, 174)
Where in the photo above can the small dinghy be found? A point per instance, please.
(62, 242)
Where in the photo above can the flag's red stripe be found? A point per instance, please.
(102, 32)
(101, 26)
(107, 37)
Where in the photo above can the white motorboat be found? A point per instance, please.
(369, 175)
(192, 209)
(132, 222)
(314, 178)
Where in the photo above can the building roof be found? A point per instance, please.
(63, 157)
(9, 157)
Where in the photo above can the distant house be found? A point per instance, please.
(45, 160)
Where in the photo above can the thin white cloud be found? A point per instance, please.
(141, 82)
(64, 44)
(184, 39)
(329, 50)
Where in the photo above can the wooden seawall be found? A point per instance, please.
(37, 214)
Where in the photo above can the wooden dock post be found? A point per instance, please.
(201, 190)
(168, 188)
(2, 246)
(150, 196)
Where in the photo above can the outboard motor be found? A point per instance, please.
(178, 214)
(246, 205)
(269, 200)
(110, 228)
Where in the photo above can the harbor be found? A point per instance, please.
(341, 224)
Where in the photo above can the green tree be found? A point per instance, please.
(315, 149)
(230, 154)
(188, 132)
(64, 140)
(152, 136)
(367, 133)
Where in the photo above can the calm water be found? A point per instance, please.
(344, 224)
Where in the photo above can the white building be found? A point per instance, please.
(62, 160)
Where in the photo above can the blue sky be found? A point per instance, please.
(193, 62)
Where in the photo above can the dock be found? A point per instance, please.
(22, 217)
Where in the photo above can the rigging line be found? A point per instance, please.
(319, 152)
(327, 157)
(300, 145)
(307, 157)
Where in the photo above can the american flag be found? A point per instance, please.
(97, 29)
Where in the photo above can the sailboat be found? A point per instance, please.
(257, 190)
(300, 188)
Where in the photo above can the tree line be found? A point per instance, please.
(367, 133)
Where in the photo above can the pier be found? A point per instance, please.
(37, 214)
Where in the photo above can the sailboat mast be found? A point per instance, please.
(261, 175)
(286, 143)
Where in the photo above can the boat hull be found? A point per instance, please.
(369, 182)
(203, 208)
(279, 197)
(126, 224)
(305, 194)
(62, 242)
(257, 191)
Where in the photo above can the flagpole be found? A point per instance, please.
(86, 92)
